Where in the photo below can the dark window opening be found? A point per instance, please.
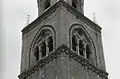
(88, 52)
(74, 43)
(43, 49)
(81, 48)
(50, 44)
(47, 4)
(36, 53)
(74, 4)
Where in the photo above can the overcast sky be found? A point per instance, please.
(14, 13)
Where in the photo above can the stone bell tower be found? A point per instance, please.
(45, 4)
(62, 44)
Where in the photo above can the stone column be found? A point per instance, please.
(84, 51)
(47, 48)
(77, 47)
(85, 56)
(40, 53)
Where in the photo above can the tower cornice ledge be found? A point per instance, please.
(53, 9)
(55, 54)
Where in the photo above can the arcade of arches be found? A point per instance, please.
(80, 44)
(44, 44)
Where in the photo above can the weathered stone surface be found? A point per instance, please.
(62, 63)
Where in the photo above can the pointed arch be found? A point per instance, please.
(45, 33)
(84, 39)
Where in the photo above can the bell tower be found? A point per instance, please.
(44, 4)
(62, 44)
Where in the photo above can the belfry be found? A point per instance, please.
(62, 43)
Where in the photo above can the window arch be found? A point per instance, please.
(44, 42)
(80, 42)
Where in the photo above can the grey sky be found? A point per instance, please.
(14, 19)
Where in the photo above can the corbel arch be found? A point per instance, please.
(80, 33)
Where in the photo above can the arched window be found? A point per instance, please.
(80, 46)
(74, 3)
(80, 43)
(44, 43)
(47, 4)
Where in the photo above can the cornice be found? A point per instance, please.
(55, 54)
(53, 9)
